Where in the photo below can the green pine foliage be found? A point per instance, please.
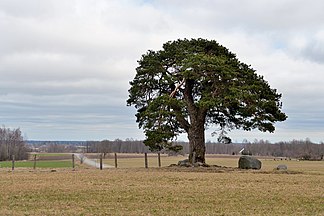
(193, 84)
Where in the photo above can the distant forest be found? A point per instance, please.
(302, 149)
(12, 143)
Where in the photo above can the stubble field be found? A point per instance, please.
(165, 191)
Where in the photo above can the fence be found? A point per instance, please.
(97, 161)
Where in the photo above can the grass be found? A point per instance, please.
(165, 191)
(159, 192)
(268, 164)
(39, 164)
(51, 154)
(44, 160)
(137, 160)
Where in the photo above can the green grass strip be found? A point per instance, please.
(39, 164)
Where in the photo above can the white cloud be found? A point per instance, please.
(65, 65)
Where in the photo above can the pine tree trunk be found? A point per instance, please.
(196, 130)
(197, 149)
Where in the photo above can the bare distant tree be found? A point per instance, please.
(12, 143)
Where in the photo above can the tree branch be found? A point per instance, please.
(179, 116)
(189, 98)
(176, 88)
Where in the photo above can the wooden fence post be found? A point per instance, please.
(73, 165)
(13, 163)
(100, 161)
(115, 160)
(35, 156)
(159, 159)
(145, 159)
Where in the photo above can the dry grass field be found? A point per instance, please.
(166, 190)
(268, 163)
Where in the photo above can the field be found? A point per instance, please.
(57, 160)
(165, 191)
(39, 164)
(268, 163)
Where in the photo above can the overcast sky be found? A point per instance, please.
(65, 65)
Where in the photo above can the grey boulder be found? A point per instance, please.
(282, 167)
(248, 162)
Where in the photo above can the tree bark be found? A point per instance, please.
(196, 131)
(197, 147)
(196, 136)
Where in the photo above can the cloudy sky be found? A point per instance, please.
(65, 65)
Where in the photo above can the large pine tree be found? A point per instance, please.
(192, 84)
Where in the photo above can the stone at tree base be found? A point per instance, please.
(282, 167)
(184, 163)
(248, 162)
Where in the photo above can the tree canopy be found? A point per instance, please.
(193, 84)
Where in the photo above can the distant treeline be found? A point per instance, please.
(12, 143)
(294, 149)
(303, 149)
